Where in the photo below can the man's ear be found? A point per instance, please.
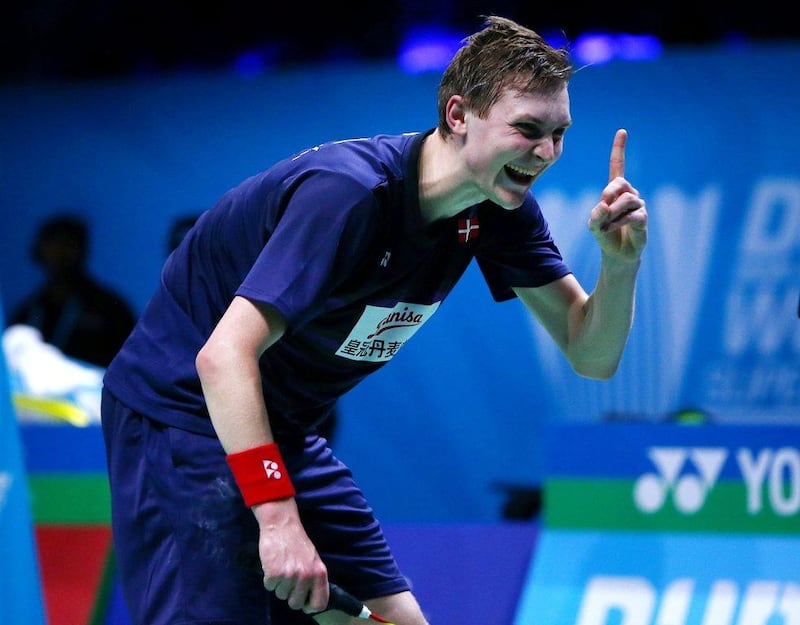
(456, 114)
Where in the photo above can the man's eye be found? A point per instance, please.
(531, 132)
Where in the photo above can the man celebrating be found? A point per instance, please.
(296, 285)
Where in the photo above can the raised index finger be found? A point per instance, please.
(616, 166)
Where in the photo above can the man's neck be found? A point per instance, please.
(444, 186)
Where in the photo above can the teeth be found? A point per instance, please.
(522, 170)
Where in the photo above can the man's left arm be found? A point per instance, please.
(592, 330)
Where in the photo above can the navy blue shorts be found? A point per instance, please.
(186, 545)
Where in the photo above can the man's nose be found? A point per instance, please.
(545, 149)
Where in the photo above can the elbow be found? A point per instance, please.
(203, 363)
(219, 361)
(208, 363)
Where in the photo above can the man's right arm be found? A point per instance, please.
(231, 380)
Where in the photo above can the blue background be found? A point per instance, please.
(463, 407)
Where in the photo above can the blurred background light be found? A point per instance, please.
(249, 64)
(428, 49)
(593, 49)
(597, 48)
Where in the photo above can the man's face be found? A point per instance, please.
(521, 136)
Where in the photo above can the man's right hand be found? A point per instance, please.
(292, 567)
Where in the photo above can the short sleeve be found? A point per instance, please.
(516, 249)
(317, 240)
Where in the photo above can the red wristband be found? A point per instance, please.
(261, 474)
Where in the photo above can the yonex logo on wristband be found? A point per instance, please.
(261, 474)
(272, 470)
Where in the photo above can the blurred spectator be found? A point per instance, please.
(83, 318)
(521, 502)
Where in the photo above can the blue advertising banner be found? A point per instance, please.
(669, 525)
(20, 587)
(626, 578)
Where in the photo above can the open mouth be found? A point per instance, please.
(518, 174)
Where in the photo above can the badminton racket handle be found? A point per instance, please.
(345, 602)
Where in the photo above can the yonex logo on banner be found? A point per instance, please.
(637, 601)
(771, 479)
(714, 487)
(689, 490)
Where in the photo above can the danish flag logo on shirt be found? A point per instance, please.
(468, 229)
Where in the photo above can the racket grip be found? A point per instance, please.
(343, 601)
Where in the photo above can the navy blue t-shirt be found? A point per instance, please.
(333, 239)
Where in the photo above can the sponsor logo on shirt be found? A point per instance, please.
(380, 332)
